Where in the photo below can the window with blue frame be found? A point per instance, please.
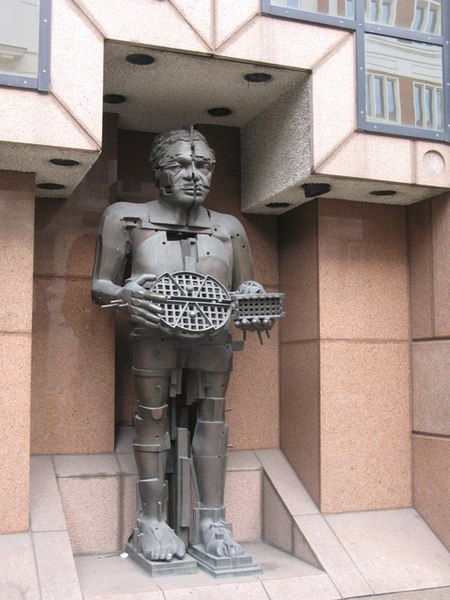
(25, 43)
(403, 59)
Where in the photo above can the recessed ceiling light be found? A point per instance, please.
(114, 98)
(383, 193)
(64, 162)
(258, 77)
(220, 111)
(140, 59)
(51, 186)
(312, 190)
(278, 204)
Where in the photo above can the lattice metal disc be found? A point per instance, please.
(195, 304)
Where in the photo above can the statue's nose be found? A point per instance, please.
(193, 173)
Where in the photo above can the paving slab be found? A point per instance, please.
(18, 575)
(333, 556)
(434, 594)
(313, 587)
(56, 567)
(114, 578)
(46, 512)
(393, 549)
(284, 479)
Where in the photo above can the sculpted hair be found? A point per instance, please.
(163, 140)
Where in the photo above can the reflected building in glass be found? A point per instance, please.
(404, 82)
(19, 38)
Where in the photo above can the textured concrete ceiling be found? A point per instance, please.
(178, 89)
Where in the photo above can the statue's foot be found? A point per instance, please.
(158, 541)
(218, 540)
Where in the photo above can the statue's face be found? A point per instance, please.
(185, 173)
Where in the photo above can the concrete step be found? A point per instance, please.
(388, 554)
(98, 493)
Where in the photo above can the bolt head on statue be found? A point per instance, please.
(191, 271)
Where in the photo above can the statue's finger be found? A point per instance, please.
(257, 324)
(145, 278)
(268, 324)
(142, 321)
(245, 324)
(154, 297)
(148, 306)
(141, 312)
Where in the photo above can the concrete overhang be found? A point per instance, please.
(298, 129)
(294, 131)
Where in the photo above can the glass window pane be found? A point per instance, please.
(391, 99)
(418, 106)
(385, 12)
(418, 15)
(19, 37)
(440, 109)
(333, 8)
(404, 82)
(379, 96)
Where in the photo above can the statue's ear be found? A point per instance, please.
(156, 176)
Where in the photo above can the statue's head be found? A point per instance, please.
(182, 164)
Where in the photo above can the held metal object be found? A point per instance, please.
(196, 305)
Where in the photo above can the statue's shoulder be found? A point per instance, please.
(131, 210)
(226, 222)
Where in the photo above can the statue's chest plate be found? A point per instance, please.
(159, 251)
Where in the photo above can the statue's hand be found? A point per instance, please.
(141, 302)
(256, 323)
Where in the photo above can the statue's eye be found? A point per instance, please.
(173, 167)
(203, 165)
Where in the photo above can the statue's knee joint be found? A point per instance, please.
(151, 429)
(151, 386)
(210, 439)
(212, 409)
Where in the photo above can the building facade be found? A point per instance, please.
(337, 161)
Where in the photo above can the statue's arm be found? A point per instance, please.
(110, 258)
(242, 256)
(112, 253)
(243, 276)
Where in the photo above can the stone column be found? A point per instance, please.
(429, 247)
(73, 340)
(16, 268)
(345, 389)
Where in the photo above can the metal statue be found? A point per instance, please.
(183, 273)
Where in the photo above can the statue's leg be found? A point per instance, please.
(209, 449)
(157, 541)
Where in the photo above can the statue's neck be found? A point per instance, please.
(181, 215)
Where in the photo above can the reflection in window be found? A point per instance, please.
(19, 37)
(381, 11)
(428, 106)
(404, 82)
(400, 49)
(418, 15)
(382, 94)
(335, 8)
(427, 16)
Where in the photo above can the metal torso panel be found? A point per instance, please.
(166, 248)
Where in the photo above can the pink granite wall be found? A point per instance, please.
(73, 340)
(16, 268)
(345, 399)
(429, 249)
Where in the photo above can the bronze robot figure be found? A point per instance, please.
(172, 258)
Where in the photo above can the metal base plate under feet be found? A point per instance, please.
(224, 566)
(155, 568)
